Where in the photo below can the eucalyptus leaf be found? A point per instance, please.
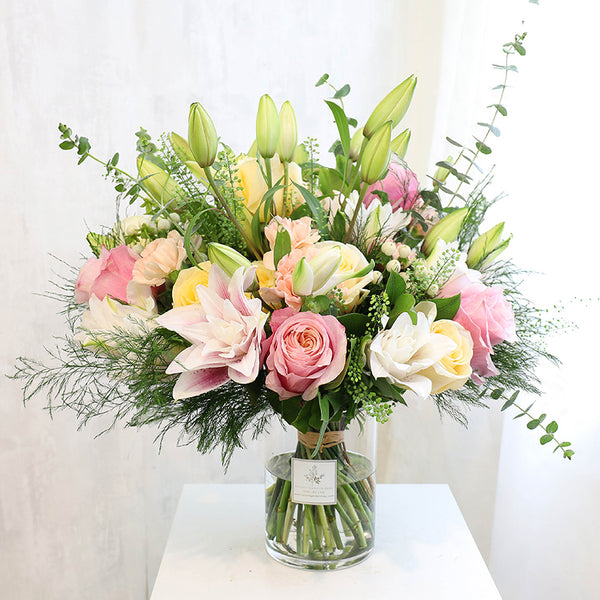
(342, 92)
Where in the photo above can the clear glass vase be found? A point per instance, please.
(320, 504)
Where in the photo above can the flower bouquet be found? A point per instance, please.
(271, 284)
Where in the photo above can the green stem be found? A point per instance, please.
(325, 526)
(230, 214)
(299, 528)
(268, 172)
(354, 520)
(363, 191)
(287, 523)
(487, 133)
(312, 526)
(281, 510)
(330, 512)
(286, 191)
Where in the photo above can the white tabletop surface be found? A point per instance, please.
(423, 550)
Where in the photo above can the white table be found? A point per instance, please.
(423, 550)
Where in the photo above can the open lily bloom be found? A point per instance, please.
(225, 330)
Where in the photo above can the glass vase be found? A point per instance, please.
(320, 503)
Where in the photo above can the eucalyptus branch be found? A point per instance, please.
(119, 176)
(481, 147)
(535, 422)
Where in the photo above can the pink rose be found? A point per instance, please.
(306, 350)
(107, 275)
(486, 315)
(401, 186)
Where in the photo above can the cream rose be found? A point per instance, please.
(158, 259)
(184, 289)
(453, 370)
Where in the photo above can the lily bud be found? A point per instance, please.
(302, 278)
(323, 266)
(392, 108)
(227, 258)
(400, 143)
(356, 144)
(157, 183)
(487, 247)
(202, 136)
(267, 127)
(180, 147)
(288, 138)
(441, 173)
(447, 229)
(376, 156)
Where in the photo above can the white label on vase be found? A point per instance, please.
(314, 481)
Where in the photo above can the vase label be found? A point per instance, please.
(314, 481)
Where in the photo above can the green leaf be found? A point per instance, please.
(342, 92)
(352, 122)
(447, 307)
(500, 108)
(495, 394)
(316, 208)
(283, 246)
(552, 427)
(395, 287)
(67, 145)
(341, 121)
(355, 323)
(338, 230)
(510, 401)
(388, 390)
(533, 424)
(322, 79)
(84, 146)
(520, 49)
(317, 304)
(404, 303)
(483, 148)
(114, 160)
(289, 408)
(96, 241)
(489, 126)
(568, 454)
(454, 143)
(545, 439)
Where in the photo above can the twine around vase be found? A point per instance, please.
(310, 439)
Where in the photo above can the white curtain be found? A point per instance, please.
(88, 517)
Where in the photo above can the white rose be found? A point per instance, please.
(401, 354)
